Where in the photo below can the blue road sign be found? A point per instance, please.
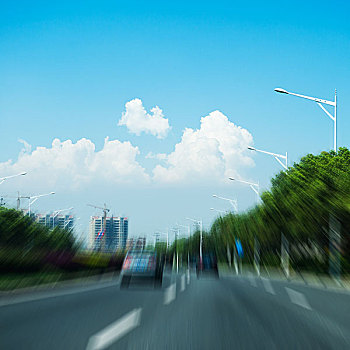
(239, 248)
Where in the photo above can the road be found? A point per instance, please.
(234, 312)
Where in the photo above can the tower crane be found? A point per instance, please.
(104, 221)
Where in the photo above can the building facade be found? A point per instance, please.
(114, 237)
(53, 220)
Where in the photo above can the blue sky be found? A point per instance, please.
(67, 71)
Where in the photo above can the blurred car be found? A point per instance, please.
(208, 265)
(145, 265)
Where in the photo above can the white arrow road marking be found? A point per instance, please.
(170, 294)
(268, 286)
(116, 330)
(298, 298)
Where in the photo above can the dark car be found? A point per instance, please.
(145, 265)
(208, 265)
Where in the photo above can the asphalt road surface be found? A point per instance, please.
(237, 312)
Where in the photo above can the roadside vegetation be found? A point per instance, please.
(31, 253)
(298, 205)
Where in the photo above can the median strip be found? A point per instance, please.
(115, 331)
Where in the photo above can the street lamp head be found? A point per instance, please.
(52, 193)
(252, 148)
(231, 178)
(214, 195)
(24, 173)
(281, 91)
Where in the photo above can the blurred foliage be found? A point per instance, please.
(22, 232)
(29, 247)
(299, 204)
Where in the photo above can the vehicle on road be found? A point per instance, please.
(145, 265)
(208, 265)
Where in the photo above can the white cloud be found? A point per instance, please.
(159, 156)
(137, 120)
(217, 150)
(67, 165)
(27, 148)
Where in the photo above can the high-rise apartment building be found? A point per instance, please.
(53, 220)
(114, 237)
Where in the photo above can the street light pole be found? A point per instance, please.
(228, 250)
(275, 155)
(219, 211)
(189, 240)
(320, 102)
(35, 198)
(233, 202)
(200, 223)
(177, 252)
(2, 179)
(56, 212)
(253, 186)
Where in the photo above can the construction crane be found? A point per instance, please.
(101, 234)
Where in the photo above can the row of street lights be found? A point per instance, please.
(33, 199)
(281, 159)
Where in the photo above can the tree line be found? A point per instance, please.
(298, 206)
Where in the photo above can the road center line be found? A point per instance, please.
(298, 298)
(170, 294)
(116, 330)
(268, 286)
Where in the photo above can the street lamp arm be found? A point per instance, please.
(320, 101)
(219, 211)
(315, 99)
(270, 153)
(255, 190)
(34, 200)
(2, 179)
(279, 161)
(244, 182)
(325, 110)
(196, 221)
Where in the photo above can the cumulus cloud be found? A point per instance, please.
(27, 148)
(217, 150)
(159, 156)
(72, 165)
(137, 120)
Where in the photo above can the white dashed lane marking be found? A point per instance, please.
(268, 286)
(252, 280)
(170, 294)
(116, 330)
(298, 298)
